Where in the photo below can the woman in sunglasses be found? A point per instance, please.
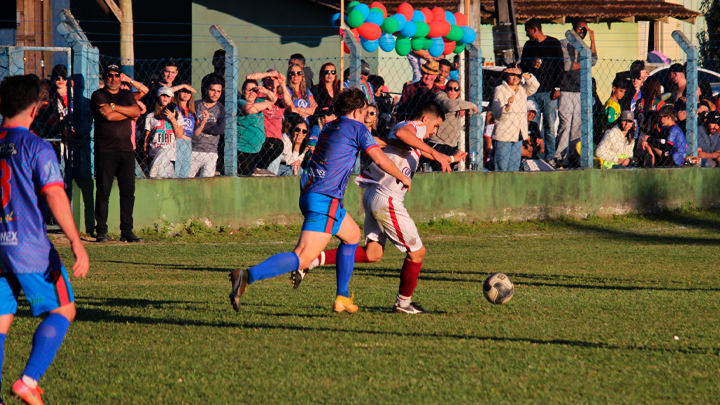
(447, 138)
(302, 98)
(325, 90)
(60, 103)
(295, 144)
(371, 118)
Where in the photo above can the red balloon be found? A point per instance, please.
(445, 27)
(370, 31)
(449, 47)
(438, 14)
(460, 19)
(429, 17)
(407, 10)
(379, 5)
(436, 28)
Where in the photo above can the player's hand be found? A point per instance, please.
(405, 180)
(82, 263)
(443, 160)
(459, 156)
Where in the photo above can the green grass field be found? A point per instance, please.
(597, 306)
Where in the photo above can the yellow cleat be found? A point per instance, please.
(345, 304)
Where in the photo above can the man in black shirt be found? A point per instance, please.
(217, 76)
(113, 110)
(543, 57)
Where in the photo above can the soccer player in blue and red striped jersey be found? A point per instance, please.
(322, 190)
(30, 183)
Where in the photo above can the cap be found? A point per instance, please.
(364, 68)
(431, 67)
(165, 91)
(713, 117)
(531, 106)
(627, 116)
(676, 67)
(59, 70)
(112, 68)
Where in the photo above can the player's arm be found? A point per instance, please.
(459, 156)
(383, 142)
(407, 135)
(60, 207)
(382, 161)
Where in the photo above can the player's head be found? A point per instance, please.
(19, 97)
(432, 115)
(351, 103)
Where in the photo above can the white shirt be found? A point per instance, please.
(163, 134)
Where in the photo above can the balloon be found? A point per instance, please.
(355, 19)
(406, 10)
(403, 46)
(460, 19)
(409, 29)
(417, 43)
(428, 15)
(351, 6)
(390, 25)
(363, 8)
(345, 48)
(418, 16)
(401, 20)
(370, 45)
(428, 43)
(435, 29)
(335, 20)
(469, 35)
(379, 5)
(370, 31)
(449, 47)
(438, 14)
(456, 33)
(356, 33)
(450, 17)
(445, 28)
(422, 30)
(437, 47)
(387, 42)
(375, 17)
(459, 47)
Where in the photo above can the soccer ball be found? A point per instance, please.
(498, 288)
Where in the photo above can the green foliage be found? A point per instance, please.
(708, 40)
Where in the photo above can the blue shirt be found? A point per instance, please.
(676, 138)
(708, 143)
(28, 166)
(337, 149)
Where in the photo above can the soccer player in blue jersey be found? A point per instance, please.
(30, 183)
(321, 201)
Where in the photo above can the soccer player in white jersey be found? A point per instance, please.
(385, 215)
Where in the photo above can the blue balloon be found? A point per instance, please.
(401, 21)
(387, 42)
(418, 16)
(469, 35)
(368, 45)
(450, 17)
(335, 20)
(409, 29)
(364, 9)
(437, 47)
(375, 17)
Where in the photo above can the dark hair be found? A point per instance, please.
(576, 23)
(245, 83)
(431, 108)
(220, 53)
(668, 111)
(637, 65)
(533, 23)
(652, 89)
(297, 56)
(217, 80)
(349, 100)
(619, 84)
(17, 93)
(376, 81)
(292, 121)
(452, 81)
(171, 63)
(445, 62)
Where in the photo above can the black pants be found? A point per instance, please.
(247, 162)
(107, 166)
(445, 149)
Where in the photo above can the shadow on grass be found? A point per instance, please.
(172, 266)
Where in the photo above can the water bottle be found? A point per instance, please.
(473, 162)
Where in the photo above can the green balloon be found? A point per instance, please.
(417, 43)
(455, 34)
(390, 25)
(403, 46)
(422, 30)
(355, 19)
(459, 48)
(428, 44)
(351, 6)
(377, 9)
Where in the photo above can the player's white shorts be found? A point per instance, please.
(386, 219)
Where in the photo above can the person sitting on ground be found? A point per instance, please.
(299, 59)
(210, 125)
(302, 98)
(217, 75)
(616, 147)
(509, 107)
(612, 106)
(162, 127)
(328, 86)
(668, 149)
(186, 106)
(295, 146)
(251, 130)
(709, 141)
(417, 94)
(447, 138)
(367, 88)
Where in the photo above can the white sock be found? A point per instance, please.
(403, 301)
(29, 381)
(319, 261)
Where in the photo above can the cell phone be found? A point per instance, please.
(171, 107)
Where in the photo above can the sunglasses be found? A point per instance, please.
(254, 90)
(300, 131)
(112, 74)
(513, 74)
(365, 74)
(453, 88)
(372, 113)
(60, 79)
(295, 74)
(328, 72)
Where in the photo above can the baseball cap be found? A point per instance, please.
(676, 67)
(627, 116)
(531, 106)
(59, 70)
(713, 117)
(167, 91)
(112, 68)
(364, 68)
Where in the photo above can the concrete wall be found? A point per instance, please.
(465, 196)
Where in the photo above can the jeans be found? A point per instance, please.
(184, 158)
(549, 109)
(507, 156)
(569, 129)
(107, 166)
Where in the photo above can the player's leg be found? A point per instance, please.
(349, 234)
(9, 291)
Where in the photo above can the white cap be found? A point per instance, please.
(531, 106)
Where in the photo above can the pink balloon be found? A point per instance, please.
(407, 10)
(370, 31)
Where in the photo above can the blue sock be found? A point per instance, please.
(344, 267)
(2, 355)
(46, 342)
(276, 265)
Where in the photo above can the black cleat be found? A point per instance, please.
(413, 308)
(297, 276)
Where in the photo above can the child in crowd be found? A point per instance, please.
(162, 127)
(612, 106)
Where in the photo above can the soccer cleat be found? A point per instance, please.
(345, 304)
(413, 308)
(31, 396)
(297, 276)
(239, 281)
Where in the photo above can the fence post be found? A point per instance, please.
(86, 78)
(476, 122)
(586, 98)
(15, 62)
(231, 96)
(691, 72)
(355, 58)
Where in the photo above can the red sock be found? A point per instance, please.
(409, 277)
(361, 255)
(331, 256)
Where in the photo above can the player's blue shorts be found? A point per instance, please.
(45, 291)
(322, 213)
